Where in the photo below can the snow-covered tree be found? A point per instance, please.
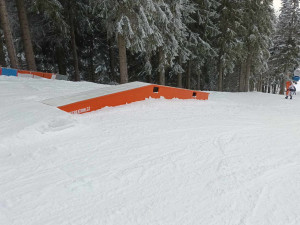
(172, 21)
(8, 34)
(26, 36)
(127, 21)
(207, 30)
(2, 52)
(287, 39)
(228, 41)
(194, 43)
(256, 38)
(50, 17)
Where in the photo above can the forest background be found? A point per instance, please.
(225, 45)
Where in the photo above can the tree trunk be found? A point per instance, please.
(26, 35)
(91, 70)
(2, 54)
(8, 35)
(274, 89)
(123, 59)
(282, 86)
(149, 75)
(242, 78)
(248, 72)
(220, 78)
(188, 77)
(91, 60)
(74, 49)
(70, 10)
(162, 77)
(112, 60)
(148, 70)
(251, 86)
(61, 61)
(150, 78)
(260, 84)
(198, 80)
(179, 79)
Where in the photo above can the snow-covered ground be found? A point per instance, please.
(231, 160)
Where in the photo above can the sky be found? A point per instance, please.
(277, 4)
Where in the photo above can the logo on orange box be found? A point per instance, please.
(79, 111)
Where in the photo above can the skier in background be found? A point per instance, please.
(287, 86)
(290, 90)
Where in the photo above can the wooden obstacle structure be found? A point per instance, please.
(31, 74)
(120, 95)
(25, 73)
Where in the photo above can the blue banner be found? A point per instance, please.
(9, 72)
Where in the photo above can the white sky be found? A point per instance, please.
(277, 4)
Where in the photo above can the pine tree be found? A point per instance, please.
(8, 35)
(189, 43)
(50, 35)
(207, 30)
(256, 39)
(126, 21)
(228, 41)
(287, 40)
(172, 20)
(2, 53)
(26, 35)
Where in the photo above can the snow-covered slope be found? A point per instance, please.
(234, 159)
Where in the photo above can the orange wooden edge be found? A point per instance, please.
(39, 74)
(47, 75)
(24, 71)
(133, 95)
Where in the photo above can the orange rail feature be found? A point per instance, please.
(33, 74)
(24, 73)
(120, 95)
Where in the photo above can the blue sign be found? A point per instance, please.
(9, 72)
(296, 78)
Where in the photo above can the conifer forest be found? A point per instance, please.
(216, 45)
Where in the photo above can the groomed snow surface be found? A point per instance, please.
(231, 160)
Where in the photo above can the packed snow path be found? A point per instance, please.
(234, 159)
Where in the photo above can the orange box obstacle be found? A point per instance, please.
(33, 74)
(120, 95)
(25, 73)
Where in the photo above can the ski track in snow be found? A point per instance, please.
(234, 159)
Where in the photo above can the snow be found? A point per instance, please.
(234, 159)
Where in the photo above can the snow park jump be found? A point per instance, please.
(109, 96)
(119, 95)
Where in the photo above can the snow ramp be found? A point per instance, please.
(119, 95)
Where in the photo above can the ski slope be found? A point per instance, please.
(231, 160)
